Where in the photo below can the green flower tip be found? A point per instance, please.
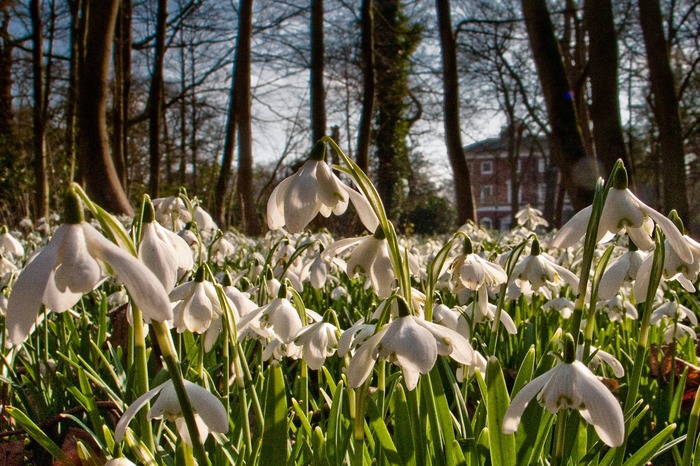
(282, 293)
(149, 213)
(468, 247)
(318, 152)
(535, 250)
(620, 181)
(379, 233)
(569, 348)
(72, 208)
(226, 280)
(403, 308)
(673, 215)
(199, 276)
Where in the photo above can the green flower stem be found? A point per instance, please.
(171, 361)
(141, 380)
(590, 322)
(643, 339)
(589, 246)
(399, 265)
(559, 437)
(691, 436)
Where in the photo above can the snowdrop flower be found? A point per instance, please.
(530, 218)
(10, 244)
(540, 271)
(312, 189)
(563, 305)
(278, 319)
(208, 410)
(570, 384)
(205, 223)
(171, 212)
(599, 356)
(624, 211)
(354, 337)
(69, 266)
(318, 341)
(623, 270)
(221, 249)
(676, 330)
(672, 310)
(674, 268)
(166, 254)
(413, 344)
(198, 304)
(618, 307)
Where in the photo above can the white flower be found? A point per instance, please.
(354, 337)
(119, 462)
(67, 267)
(624, 211)
(675, 330)
(674, 268)
(624, 269)
(318, 341)
(530, 218)
(205, 223)
(600, 356)
(540, 271)
(299, 198)
(571, 385)
(564, 306)
(171, 212)
(413, 344)
(671, 310)
(10, 244)
(618, 307)
(278, 319)
(209, 412)
(198, 305)
(166, 254)
(474, 272)
(221, 249)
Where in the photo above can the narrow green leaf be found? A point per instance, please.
(502, 446)
(382, 433)
(403, 430)
(274, 438)
(651, 448)
(527, 369)
(37, 434)
(334, 430)
(319, 447)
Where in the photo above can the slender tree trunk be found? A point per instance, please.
(122, 88)
(94, 156)
(76, 27)
(603, 72)
(6, 112)
(222, 183)
(665, 108)
(41, 186)
(155, 99)
(567, 147)
(244, 187)
(365, 127)
(318, 92)
(464, 198)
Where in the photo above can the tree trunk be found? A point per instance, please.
(464, 197)
(567, 147)
(122, 89)
(318, 92)
(365, 126)
(222, 184)
(603, 73)
(94, 156)
(244, 187)
(665, 108)
(41, 185)
(155, 99)
(76, 28)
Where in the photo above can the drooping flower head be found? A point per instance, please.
(73, 263)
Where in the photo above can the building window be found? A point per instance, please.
(541, 192)
(518, 166)
(487, 167)
(486, 194)
(486, 222)
(540, 165)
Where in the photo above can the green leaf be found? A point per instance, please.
(651, 448)
(403, 429)
(334, 430)
(527, 369)
(382, 433)
(502, 446)
(274, 438)
(38, 435)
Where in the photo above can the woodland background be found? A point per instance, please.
(225, 98)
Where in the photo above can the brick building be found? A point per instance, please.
(492, 175)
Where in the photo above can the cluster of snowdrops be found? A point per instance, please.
(181, 344)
